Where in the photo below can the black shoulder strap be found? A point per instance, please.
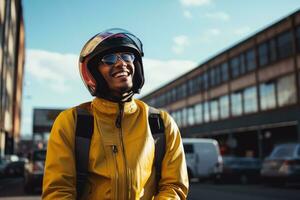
(158, 132)
(83, 135)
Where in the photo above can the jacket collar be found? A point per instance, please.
(109, 107)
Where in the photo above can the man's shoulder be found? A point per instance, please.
(71, 112)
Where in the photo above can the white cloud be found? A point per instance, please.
(195, 2)
(60, 73)
(160, 72)
(57, 70)
(209, 35)
(218, 16)
(187, 14)
(180, 43)
(242, 30)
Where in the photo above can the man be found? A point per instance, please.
(121, 156)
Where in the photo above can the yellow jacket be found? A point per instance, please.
(121, 159)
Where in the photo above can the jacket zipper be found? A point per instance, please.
(115, 151)
(119, 125)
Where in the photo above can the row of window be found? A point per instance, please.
(272, 94)
(268, 52)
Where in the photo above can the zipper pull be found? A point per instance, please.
(114, 149)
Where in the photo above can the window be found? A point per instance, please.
(224, 70)
(234, 65)
(267, 95)
(286, 90)
(184, 117)
(206, 112)
(273, 50)
(285, 44)
(179, 118)
(236, 104)
(191, 87)
(242, 64)
(224, 107)
(198, 113)
(298, 38)
(205, 80)
(250, 100)
(173, 94)
(169, 96)
(263, 54)
(212, 77)
(218, 75)
(250, 60)
(191, 116)
(184, 90)
(214, 110)
(188, 148)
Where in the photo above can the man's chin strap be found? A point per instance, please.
(124, 98)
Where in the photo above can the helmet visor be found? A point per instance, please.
(110, 33)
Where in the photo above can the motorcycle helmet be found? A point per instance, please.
(109, 41)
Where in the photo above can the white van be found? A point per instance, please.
(203, 158)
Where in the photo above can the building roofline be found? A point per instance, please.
(234, 45)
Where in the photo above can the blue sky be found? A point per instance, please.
(177, 36)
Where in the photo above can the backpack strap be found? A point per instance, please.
(158, 132)
(83, 135)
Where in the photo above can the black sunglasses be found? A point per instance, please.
(112, 59)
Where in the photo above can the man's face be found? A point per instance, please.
(118, 70)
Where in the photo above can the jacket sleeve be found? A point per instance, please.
(174, 179)
(59, 176)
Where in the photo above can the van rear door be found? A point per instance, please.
(207, 158)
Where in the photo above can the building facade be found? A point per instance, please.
(12, 52)
(246, 97)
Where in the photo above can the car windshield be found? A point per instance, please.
(39, 155)
(283, 151)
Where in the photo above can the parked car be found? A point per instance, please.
(240, 169)
(14, 168)
(3, 164)
(11, 166)
(34, 170)
(283, 164)
(203, 157)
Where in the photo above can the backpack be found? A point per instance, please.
(83, 135)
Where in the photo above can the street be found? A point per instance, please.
(12, 189)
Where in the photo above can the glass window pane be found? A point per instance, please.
(273, 50)
(286, 90)
(218, 75)
(263, 54)
(198, 113)
(206, 112)
(224, 67)
(298, 38)
(267, 95)
(191, 116)
(179, 118)
(224, 106)
(242, 64)
(205, 80)
(184, 117)
(250, 60)
(236, 104)
(234, 65)
(214, 110)
(250, 100)
(212, 77)
(285, 45)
